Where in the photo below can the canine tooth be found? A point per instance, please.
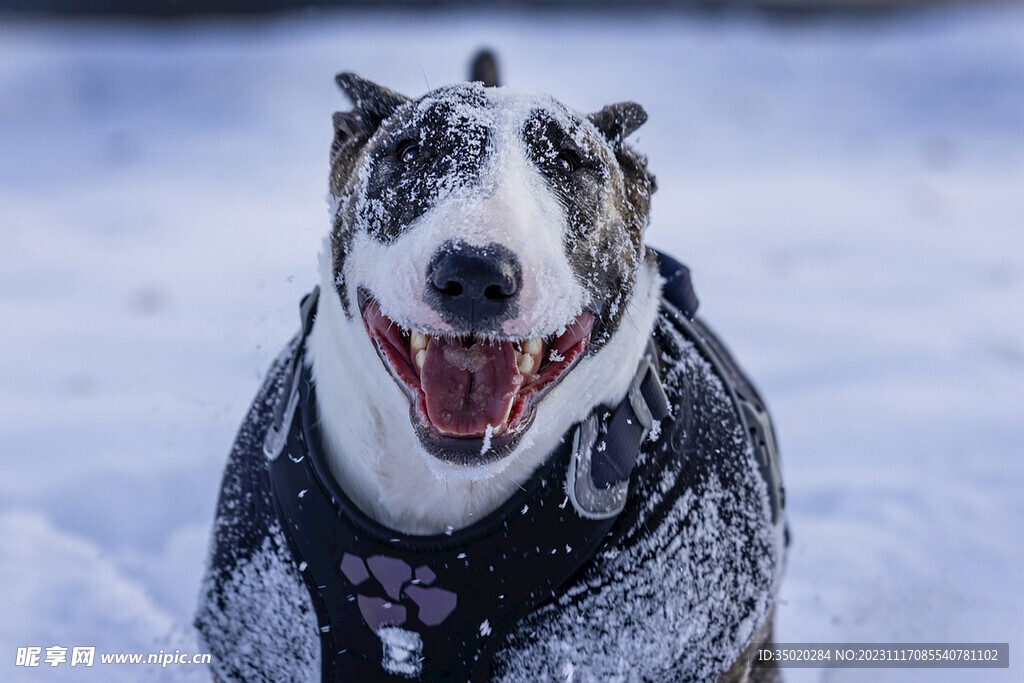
(525, 363)
(421, 358)
(418, 340)
(533, 346)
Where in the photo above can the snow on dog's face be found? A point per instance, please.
(488, 240)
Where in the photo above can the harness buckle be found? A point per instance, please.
(590, 501)
(604, 451)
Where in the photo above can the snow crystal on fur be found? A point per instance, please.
(264, 615)
(676, 600)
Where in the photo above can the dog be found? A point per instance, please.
(501, 446)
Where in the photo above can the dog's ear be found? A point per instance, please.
(618, 121)
(371, 104)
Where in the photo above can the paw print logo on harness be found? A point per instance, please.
(398, 580)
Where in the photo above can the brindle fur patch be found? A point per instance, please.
(607, 204)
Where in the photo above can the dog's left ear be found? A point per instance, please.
(618, 121)
(371, 104)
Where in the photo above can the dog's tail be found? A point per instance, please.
(484, 68)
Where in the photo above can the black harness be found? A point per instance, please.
(437, 607)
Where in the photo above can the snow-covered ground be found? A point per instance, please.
(849, 196)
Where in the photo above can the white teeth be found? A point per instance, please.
(421, 358)
(533, 346)
(418, 340)
(525, 363)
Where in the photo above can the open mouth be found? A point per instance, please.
(473, 395)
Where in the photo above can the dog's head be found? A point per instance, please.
(488, 240)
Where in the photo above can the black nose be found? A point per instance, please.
(473, 287)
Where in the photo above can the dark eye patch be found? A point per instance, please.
(574, 174)
(554, 150)
(580, 176)
(419, 157)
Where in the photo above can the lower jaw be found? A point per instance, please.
(472, 451)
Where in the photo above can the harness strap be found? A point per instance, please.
(681, 303)
(284, 410)
(436, 607)
(678, 287)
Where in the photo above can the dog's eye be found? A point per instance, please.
(567, 161)
(408, 151)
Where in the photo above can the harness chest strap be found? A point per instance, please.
(436, 607)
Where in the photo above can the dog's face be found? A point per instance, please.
(488, 241)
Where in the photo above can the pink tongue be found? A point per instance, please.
(468, 389)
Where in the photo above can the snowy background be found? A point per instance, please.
(850, 197)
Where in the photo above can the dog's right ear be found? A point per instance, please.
(371, 104)
(618, 121)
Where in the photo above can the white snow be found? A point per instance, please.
(287, 648)
(467, 360)
(402, 651)
(486, 445)
(847, 195)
